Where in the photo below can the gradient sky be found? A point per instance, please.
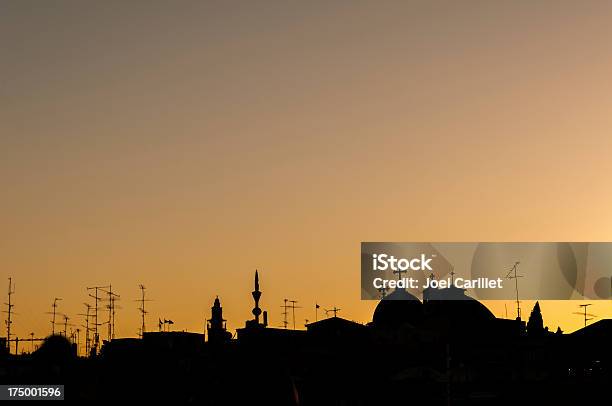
(182, 145)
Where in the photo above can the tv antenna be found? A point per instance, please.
(76, 338)
(293, 307)
(285, 306)
(97, 298)
(54, 313)
(142, 310)
(87, 328)
(585, 314)
(335, 310)
(9, 313)
(512, 274)
(112, 298)
(66, 324)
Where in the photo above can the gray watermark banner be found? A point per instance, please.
(487, 270)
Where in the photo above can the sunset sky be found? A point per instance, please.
(183, 145)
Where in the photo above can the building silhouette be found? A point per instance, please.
(446, 349)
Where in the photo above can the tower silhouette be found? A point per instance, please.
(256, 310)
(216, 328)
(256, 295)
(535, 324)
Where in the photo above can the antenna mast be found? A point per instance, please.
(112, 298)
(96, 336)
(335, 311)
(9, 312)
(293, 307)
(585, 314)
(77, 340)
(66, 324)
(515, 277)
(87, 329)
(143, 312)
(285, 306)
(54, 313)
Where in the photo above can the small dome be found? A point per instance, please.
(397, 308)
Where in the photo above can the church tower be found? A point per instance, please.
(535, 324)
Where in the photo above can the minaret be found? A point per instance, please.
(216, 325)
(256, 295)
(254, 323)
(216, 319)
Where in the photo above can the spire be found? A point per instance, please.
(256, 295)
(535, 324)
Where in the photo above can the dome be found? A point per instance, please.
(455, 306)
(449, 307)
(397, 308)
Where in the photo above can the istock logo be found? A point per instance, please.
(382, 262)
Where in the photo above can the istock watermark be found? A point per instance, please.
(488, 270)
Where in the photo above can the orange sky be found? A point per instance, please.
(184, 146)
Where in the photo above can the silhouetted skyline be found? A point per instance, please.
(445, 349)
